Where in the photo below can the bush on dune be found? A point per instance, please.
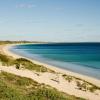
(22, 62)
(6, 60)
(13, 87)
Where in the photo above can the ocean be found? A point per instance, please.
(83, 58)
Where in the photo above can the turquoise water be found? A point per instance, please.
(82, 58)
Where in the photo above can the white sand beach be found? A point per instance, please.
(47, 77)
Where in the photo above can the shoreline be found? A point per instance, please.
(92, 80)
(48, 78)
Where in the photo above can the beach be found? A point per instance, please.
(45, 78)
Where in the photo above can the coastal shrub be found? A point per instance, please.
(81, 84)
(14, 87)
(17, 66)
(16, 79)
(93, 88)
(85, 86)
(6, 60)
(8, 93)
(22, 62)
(68, 78)
(15, 42)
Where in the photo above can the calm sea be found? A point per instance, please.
(82, 58)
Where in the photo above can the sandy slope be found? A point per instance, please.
(63, 85)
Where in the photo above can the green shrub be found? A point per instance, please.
(13, 87)
(6, 60)
(68, 77)
(27, 64)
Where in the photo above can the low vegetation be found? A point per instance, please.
(13, 42)
(14, 87)
(19, 42)
(27, 64)
(6, 60)
(68, 78)
(22, 63)
(81, 84)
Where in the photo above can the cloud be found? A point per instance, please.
(25, 6)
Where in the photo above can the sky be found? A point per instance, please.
(50, 20)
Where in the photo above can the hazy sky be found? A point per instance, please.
(50, 20)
